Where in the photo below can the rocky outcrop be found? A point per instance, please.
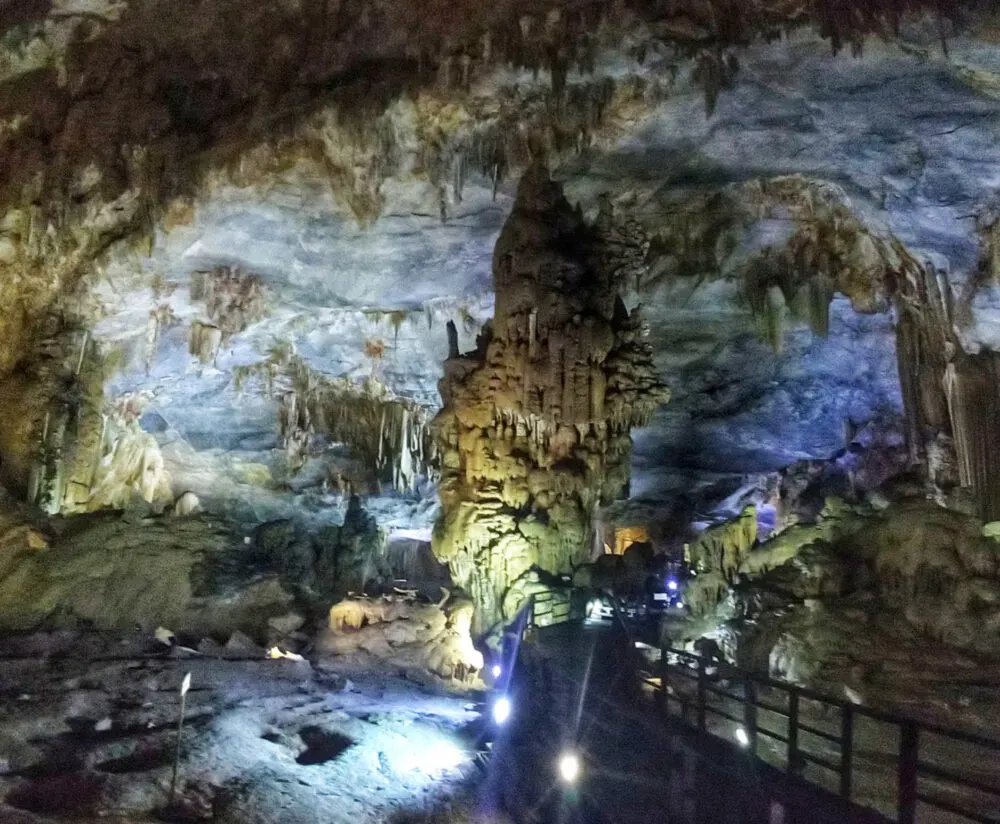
(937, 570)
(110, 573)
(353, 557)
(339, 560)
(406, 634)
(534, 432)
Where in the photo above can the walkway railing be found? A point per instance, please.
(813, 730)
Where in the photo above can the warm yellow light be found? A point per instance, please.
(627, 535)
(277, 652)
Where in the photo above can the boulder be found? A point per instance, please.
(112, 573)
(401, 632)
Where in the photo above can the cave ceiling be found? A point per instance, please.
(349, 167)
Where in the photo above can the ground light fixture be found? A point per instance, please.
(501, 710)
(569, 767)
(432, 755)
(441, 756)
(742, 738)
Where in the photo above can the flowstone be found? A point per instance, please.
(112, 573)
(912, 567)
(534, 430)
(403, 633)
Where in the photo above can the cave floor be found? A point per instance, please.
(88, 725)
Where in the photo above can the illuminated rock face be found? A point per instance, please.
(950, 390)
(534, 433)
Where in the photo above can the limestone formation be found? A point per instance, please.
(68, 447)
(725, 547)
(352, 558)
(186, 504)
(950, 395)
(387, 433)
(233, 299)
(113, 573)
(534, 433)
(937, 569)
(323, 167)
(827, 249)
(401, 632)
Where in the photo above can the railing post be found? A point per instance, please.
(909, 753)
(846, 749)
(793, 730)
(750, 713)
(664, 695)
(702, 693)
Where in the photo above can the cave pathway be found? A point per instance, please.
(577, 690)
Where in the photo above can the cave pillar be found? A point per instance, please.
(534, 429)
(951, 397)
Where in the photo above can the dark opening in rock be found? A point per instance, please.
(321, 745)
(62, 794)
(142, 760)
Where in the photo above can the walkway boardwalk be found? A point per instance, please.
(577, 688)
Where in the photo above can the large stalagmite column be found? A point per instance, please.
(951, 397)
(534, 432)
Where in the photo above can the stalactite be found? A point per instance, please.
(204, 340)
(830, 251)
(233, 299)
(775, 317)
(387, 433)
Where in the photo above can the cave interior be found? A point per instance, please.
(337, 337)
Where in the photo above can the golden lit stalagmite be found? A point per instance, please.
(534, 433)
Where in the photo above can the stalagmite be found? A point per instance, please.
(565, 357)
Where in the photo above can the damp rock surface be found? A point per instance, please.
(264, 740)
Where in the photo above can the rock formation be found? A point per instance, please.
(405, 634)
(950, 391)
(111, 573)
(69, 448)
(228, 253)
(386, 433)
(534, 433)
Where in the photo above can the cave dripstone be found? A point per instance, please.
(231, 252)
(534, 431)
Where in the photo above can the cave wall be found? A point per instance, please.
(123, 123)
(534, 430)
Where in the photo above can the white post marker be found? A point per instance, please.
(185, 686)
